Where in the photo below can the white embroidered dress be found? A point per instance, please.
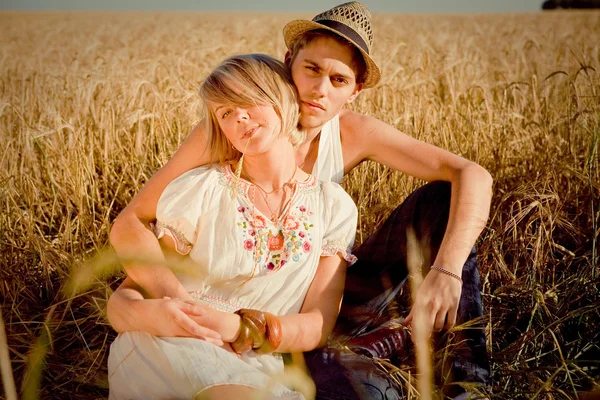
(242, 260)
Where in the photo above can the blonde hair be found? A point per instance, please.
(248, 80)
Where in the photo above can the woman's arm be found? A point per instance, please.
(311, 327)
(127, 310)
(131, 236)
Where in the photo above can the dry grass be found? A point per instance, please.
(92, 104)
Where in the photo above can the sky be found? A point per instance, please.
(376, 6)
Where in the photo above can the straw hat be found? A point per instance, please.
(352, 21)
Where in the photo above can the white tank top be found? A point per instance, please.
(330, 162)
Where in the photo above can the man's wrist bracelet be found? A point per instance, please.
(445, 271)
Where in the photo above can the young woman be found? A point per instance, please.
(266, 248)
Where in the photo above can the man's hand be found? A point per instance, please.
(436, 301)
(173, 317)
(226, 324)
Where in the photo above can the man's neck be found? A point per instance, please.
(312, 133)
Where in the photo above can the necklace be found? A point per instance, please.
(259, 238)
(275, 214)
(289, 182)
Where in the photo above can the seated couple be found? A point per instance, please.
(266, 247)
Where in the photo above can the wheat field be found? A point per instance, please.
(91, 104)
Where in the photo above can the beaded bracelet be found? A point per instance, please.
(445, 271)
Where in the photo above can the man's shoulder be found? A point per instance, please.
(353, 124)
(349, 118)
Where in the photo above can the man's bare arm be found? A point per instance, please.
(127, 310)
(365, 137)
(130, 234)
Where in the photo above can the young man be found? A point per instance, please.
(330, 64)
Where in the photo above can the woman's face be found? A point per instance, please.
(240, 123)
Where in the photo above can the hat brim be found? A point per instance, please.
(296, 28)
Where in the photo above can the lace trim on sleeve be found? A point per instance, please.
(182, 245)
(331, 249)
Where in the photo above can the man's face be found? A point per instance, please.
(325, 79)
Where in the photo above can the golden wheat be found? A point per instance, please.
(91, 104)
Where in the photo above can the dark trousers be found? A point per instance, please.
(376, 292)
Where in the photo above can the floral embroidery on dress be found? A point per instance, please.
(241, 186)
(274, 246)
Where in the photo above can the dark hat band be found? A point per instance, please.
(347, 31)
